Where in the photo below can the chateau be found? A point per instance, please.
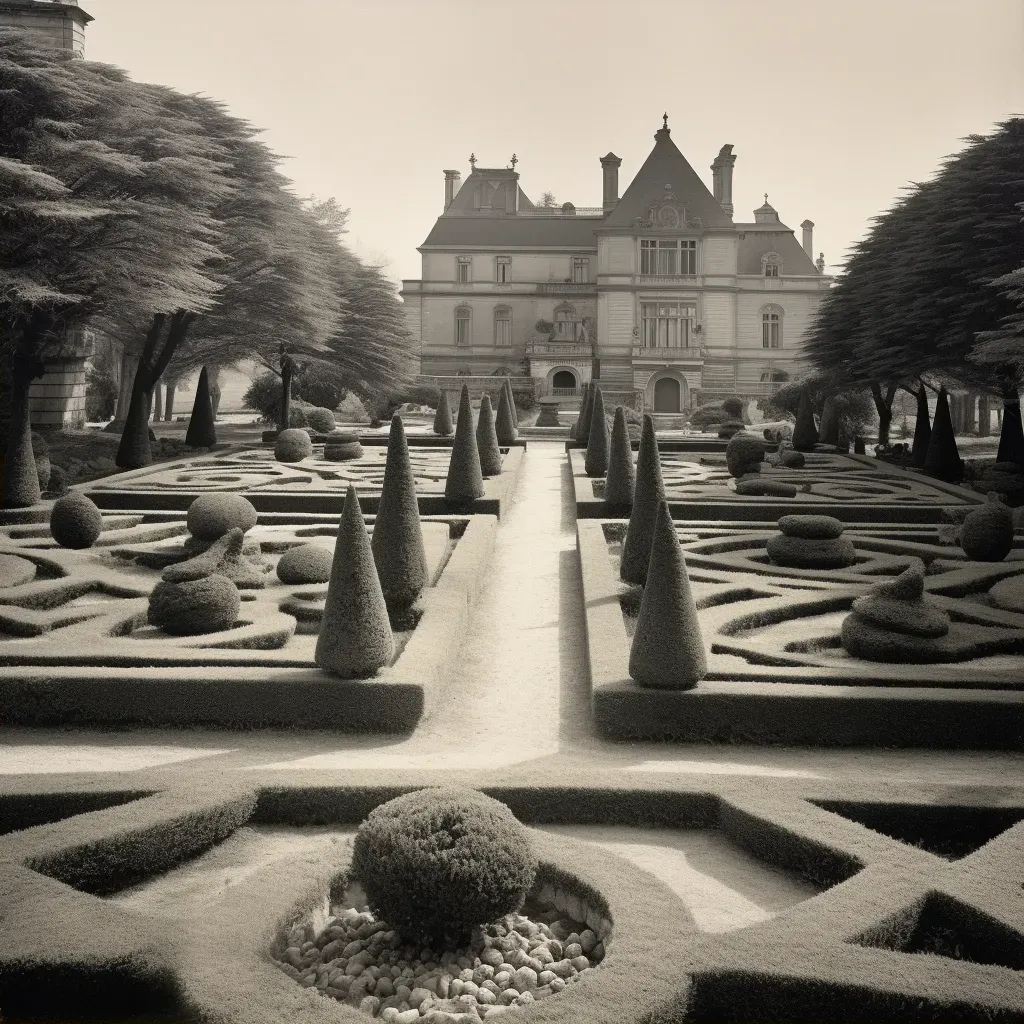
(659, 292)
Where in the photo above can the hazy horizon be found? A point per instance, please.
(831, 112)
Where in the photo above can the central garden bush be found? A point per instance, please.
(437, 863)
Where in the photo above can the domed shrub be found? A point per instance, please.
(307, 563)
(436, 863)
(75, 521)
(194, 607)
(211, 515)
(733, 408)
(292, 445)
(987, 533)
(744, 454)
(321, 420)
(297, 414)
(707, 416)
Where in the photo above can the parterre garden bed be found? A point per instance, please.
(895, 933)
(312, 485)
(74, 633)
(777, 671)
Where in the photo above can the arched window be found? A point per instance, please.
(503, 326)
(463, 325)
(563, 379)
(565, 322)
(771, 265)
(771, 327)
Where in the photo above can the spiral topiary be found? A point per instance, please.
(321, 420)
(75, 521)
(436, 863)
(292, 445)
(211, 515)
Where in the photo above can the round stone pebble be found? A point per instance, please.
(811, 528)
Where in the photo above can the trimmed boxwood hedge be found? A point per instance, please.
(26, 810)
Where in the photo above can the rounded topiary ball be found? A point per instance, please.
(744, 454)
(436, 863)
(321, 420)
(307, 563)
(210, 516)
(75, 521)
(292, 445)
(194, 607)
(987, 533)
(730, 427)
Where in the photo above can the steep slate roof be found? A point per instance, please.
(481, 229)
(666, 165)
(758, 242)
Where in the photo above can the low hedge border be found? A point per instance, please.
(418, 440)
(760, 509)
(772, 712)
(393, 701)
(805, 964)
(498, 491)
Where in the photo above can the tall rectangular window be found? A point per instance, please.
(580, 269)
(771, 330)
(463, 267)
(667, 257)
(463, 326)
(502, 327)
(667, 325)
(771, 270)
(503, 269)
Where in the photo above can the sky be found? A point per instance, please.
(832, 107)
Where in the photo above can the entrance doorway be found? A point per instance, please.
(666, 395)
(564, 379)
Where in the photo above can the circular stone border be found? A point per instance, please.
(645, 916)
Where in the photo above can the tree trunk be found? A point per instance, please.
(214, 377)
(984, 416)
(286, 393)
(158, 404)
(169, 403)
(883, 406)
(129, 365)
(20, 479)
(970, 419)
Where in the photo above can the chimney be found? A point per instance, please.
(721, 171)
(610, 175)
(452, 180)
(808, 229)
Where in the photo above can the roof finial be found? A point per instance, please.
(515, 160)
(766, 199)
(472, 161)
(664, 118)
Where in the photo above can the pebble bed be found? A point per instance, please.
(360, 961)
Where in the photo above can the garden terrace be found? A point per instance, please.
(851, 488)
(115, 897)
(74, 634)
(777, 672)
(312, 485)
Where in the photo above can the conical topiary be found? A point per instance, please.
(443, 425)
(943, 458)
(1011, 435)
(668, 649)
(465, 478)
(512, 401)
(397, 542)
(20, 479)
(201, 431)
(587, 414)
(648, 494)
(487, 440)
(922, 431)
(598, 443)
(828, 427)
(355, 633)
(577, 427)
(618, 486)
(504, 427)
(805, 433)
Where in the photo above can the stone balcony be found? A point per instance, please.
(691, 354)
(559, 350)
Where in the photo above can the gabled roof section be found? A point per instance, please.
(666, 166)
(756, 244)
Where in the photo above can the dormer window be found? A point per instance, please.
(771, 265)
(463, 269)
(503, 269)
